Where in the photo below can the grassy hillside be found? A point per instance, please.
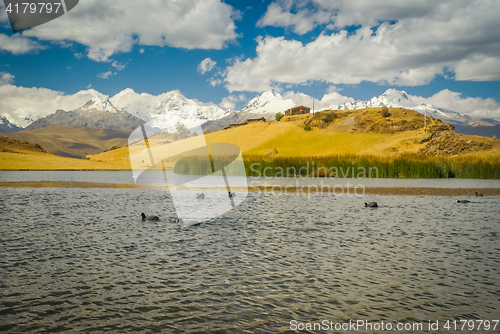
(345, 132)
(73, 141)
(355, 141)
(15, 155)
(359, 132)
(351, 136)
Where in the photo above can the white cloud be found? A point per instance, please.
(206, 65)
(112, 26)
(215, 82)
(105, 75)
(328, 100)
(16, 44)
(342, 13)
(305, 20)
(229, 102)
(478, 68)
(333, 88)
(21, 105)
(423, 39)
(226, 104)
(6, 78)
(117, 65)
(472, 106)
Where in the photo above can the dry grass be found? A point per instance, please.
(360, 132)
(73, 141)
(347, 133)
(45, 161)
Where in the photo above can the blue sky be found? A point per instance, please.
(355, 49)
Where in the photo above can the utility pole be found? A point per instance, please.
(313, 102)
(425, 119)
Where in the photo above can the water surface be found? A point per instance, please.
(157, 177)
(81, 260)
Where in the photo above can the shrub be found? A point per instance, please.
(182, 132)
(385, 112)
(307, 127)
(278, 116)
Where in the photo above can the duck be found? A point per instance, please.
(371, 205)
(187, 222)
(462, 201)
(149, 218)
(200, 196)
(478, 195)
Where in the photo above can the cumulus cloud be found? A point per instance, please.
(17, 44)
(472, 106)
(397, 43)
(105, 75)
(303, 21)
(206, 65)
(478, 68)
(117, 65)
(229, 102)
(328, 100)
(22, 105)
(342, 13)
(112, 26)
(6, 78)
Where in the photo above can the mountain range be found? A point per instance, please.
(393, 98)
(96, 113)
(127, 110)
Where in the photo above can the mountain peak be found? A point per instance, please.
(6, 126)
(99, 104)
(394, 95)
(271, 94)
(394, 98)
(269, 102)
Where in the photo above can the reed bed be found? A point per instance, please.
(408, 166)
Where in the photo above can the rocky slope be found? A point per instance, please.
(6, 126)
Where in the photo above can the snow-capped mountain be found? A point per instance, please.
(99, 104)
(394, 98)
(172, 106)
(127, 110)
(21, 118)
(96, 113)
(265, 105)
(270, 102)
(6, 126)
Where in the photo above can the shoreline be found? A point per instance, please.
(384, 191)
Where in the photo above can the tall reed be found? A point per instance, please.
(408, 166)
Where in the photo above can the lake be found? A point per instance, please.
(154, 177)
(81, 260)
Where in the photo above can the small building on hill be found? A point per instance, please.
(300, 110)
(248, 121)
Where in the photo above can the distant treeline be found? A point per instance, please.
(407, 166)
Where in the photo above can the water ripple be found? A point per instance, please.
(79, 261)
